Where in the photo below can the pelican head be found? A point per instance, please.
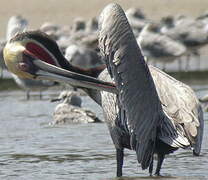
(35, 55)
(15, 59)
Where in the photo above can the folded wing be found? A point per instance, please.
(137, 92)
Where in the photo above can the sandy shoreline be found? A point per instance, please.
(64, 11)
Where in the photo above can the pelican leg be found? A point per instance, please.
(154, 62)
(28, 94)
(1, 72)
(198, 56)
(199, 63)
(164, 66)
(151, 166)
(188, 61)
(179, 64)
(40, 95)
(119, 158)
(159, 163)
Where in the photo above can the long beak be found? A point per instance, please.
(50, 72)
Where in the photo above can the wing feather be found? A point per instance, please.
(137, 92)
(183, 109)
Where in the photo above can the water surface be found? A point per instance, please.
(32, 149)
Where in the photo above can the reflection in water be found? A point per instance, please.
(31, 149)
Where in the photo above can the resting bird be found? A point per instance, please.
(145, 109)
(84, 58)
(70, 110)
(189, 32)
(136, 19)
(159, 47)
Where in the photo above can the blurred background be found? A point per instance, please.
(64, 11)
(43, 139)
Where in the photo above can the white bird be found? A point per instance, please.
(159, 47)
(84, 58)
(190, 32)
(204, 102)
(136, 19)
(79, 24)
(92, 25)
(70, 110)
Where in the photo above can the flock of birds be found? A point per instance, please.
(145, 109)
(163, 41)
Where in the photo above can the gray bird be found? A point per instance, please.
(145, 109)
(70, 110)
(136, 19)
(159, 47)
(32, 85)
(204, 102)
(16, 24)
(190, 32)
(79, 24)
(84, 58)
(92, 25)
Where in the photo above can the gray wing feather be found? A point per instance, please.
(200, 130)
(137, 93)
(183, 109)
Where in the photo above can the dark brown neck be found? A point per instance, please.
(52, 46)
(93, 72)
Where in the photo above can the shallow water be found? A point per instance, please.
(32, 149)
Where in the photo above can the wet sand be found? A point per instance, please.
(64, 11)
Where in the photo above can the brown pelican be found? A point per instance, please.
(148, 111)
(70, 110)
(159, 47)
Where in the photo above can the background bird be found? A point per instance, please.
(158, 47)
(188, 31)
(70, 111)
(84, 58)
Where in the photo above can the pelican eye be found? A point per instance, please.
(23, 66)
(27, 64)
